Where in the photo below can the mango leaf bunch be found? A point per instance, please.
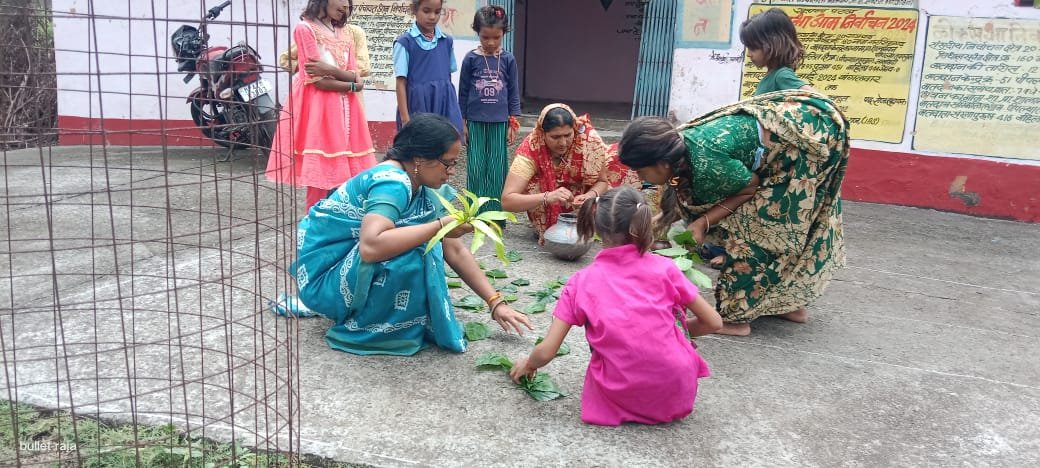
(685, 256)
(541, 387)
(485, 225)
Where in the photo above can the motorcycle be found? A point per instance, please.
(233, 105)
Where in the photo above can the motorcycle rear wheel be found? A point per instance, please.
(211, 124)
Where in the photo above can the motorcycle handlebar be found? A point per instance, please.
(215, 11)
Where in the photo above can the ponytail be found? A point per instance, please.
(641, 227)
(587, 219)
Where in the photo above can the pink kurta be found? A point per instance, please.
(327, 140)
(643, 369)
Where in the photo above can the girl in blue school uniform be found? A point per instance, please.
(489, 98)
(424, 59)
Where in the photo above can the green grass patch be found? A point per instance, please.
(55, 438)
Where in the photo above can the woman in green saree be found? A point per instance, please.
(761, 177)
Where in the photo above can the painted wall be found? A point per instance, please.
(704, 79)
(123, 80)
(576, 51)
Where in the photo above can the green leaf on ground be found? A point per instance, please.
(520, 282)
(494, 361)
(476, 331)
(683, 263)
(556, 283)
(496, 273)
(514, 256)
(510, 297)
(451, 274)
(541, 387)
(535, 307)
(508, 288)
(470, 302)
(454, 284)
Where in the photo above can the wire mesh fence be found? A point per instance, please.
(137, 266)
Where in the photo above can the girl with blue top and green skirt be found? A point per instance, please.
(489, 97)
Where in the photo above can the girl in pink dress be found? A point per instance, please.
(643, 368)
(326, 140)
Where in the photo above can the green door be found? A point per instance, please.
(656, 52)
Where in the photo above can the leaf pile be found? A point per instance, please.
(541, 387)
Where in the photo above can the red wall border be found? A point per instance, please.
(151, 132)
(963, 185)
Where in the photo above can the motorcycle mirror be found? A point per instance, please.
(215, 11)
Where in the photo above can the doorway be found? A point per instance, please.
(580, 52)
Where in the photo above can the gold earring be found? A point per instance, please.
(674, 181)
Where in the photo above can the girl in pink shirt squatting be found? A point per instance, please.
(643, 368)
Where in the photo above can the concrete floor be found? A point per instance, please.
(922, 352)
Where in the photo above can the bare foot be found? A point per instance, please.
(798, 316)
(735, 329)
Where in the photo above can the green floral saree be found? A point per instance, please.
(785, 243)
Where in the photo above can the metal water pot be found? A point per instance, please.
(561, 239)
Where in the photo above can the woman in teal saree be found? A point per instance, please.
(361, 261)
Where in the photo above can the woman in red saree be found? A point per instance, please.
(558, 166)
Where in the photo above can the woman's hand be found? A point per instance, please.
(561, 196)
(507, 317)
(580, 199)
(458, 231)
(511, 135)
(520, 369)
(315, 67)
(698, 228)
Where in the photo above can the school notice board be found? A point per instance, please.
(980, 87)
(384, 20)
(860, 57)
